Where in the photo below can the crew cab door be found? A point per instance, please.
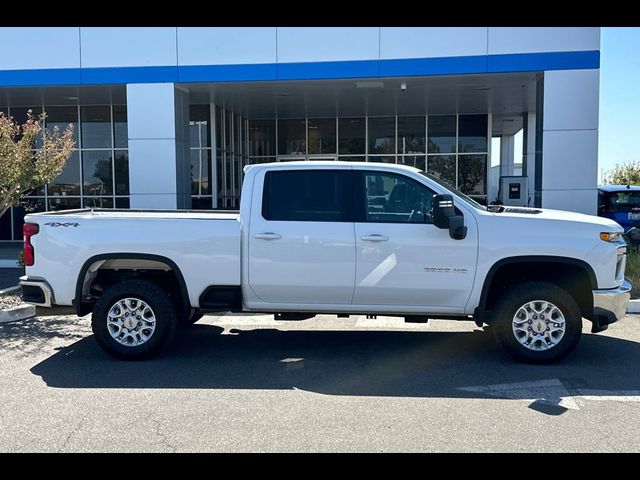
(301, 239)
(402, 258)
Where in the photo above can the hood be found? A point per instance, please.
(558, 215)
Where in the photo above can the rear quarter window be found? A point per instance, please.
(307, 196)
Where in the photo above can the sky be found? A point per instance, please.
(619, 130)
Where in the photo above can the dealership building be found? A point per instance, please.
(167, 117)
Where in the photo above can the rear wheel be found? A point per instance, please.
(134, 319)
(537, 322)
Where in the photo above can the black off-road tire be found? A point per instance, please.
(507, 306)
(163, 308)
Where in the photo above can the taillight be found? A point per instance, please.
(29, 230)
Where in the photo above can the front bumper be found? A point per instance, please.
(37, 292)
(610, 305)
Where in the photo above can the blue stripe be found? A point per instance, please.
(433, 66)
(97, 76)
(519, 62)
(49, 76)
(531, 62)
(227, 73)
(322, 70)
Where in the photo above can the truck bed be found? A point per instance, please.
(203, 244)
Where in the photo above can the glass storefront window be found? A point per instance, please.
(122, 202)
(472, 133)
(382, 135)
(442, 133)
(200, 176)
(97, 172)
(96, 126)
(417, 161)
(120, 133)
(262, 137)
(237, 134)
(98, 202)
(121, 168)
(219, 125)
(382, 158)
(63, 203)
(19, 114)
(68, 182)
(292, 137)
(199, 132)
(472, 174)
(443, 167)
(228, 130)
(201, 203)
(322, 135)
(411, 134)
(61, 117)
(351, 136)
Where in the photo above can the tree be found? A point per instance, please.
(30, 156)
(626, 174)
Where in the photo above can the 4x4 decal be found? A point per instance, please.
(65, 224)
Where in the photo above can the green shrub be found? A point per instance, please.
(632, 271)
(21, 258)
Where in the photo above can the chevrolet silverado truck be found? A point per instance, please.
(332, 238)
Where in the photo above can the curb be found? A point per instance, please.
(10, 290)
(633, 306)
(21, 312)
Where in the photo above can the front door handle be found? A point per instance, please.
(374, 238)
(267, 236)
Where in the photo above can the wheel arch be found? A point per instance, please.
(83, 307)
(578, 278)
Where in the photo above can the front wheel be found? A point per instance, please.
(537, 322)
(134, 319)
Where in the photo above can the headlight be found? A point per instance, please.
(611, 237)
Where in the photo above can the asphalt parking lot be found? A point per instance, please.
(249, 383)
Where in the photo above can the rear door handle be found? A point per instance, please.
(268, 236)
(374, 238)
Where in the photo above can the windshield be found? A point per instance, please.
(449, 187)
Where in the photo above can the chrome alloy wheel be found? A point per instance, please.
(131, 322)
(538, 325)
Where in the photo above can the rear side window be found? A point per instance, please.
(308, 196)
(625, 201)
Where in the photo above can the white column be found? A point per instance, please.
(570, 140)
(506, 155)
(530, 153)
(158, 145)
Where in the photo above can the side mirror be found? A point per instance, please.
(445, 216)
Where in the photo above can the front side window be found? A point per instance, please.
(307, 196)
(393, 198)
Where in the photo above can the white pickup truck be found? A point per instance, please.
(332, 238)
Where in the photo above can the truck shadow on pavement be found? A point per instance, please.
(363, 363)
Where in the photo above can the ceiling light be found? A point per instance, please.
(369, 85)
